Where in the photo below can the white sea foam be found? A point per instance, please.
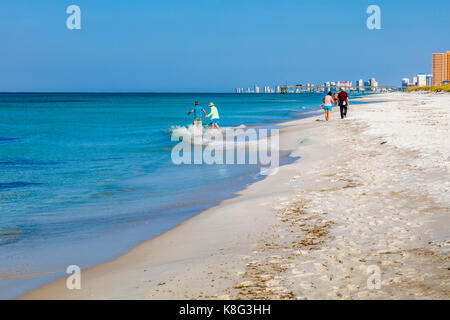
(228, 137)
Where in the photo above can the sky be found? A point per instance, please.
(214, 45)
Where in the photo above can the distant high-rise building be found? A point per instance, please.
(429, 80)
(344, 84)
(256, 89)
(414, 81)
(405, 82)
(373, 83)
(278, 89)
(421, 79)
(360, 84)
(447, 67)
(438, 60)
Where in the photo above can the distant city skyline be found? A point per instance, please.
(361, 85)
(212, 46)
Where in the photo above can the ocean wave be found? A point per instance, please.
(7, 140)
(10, 235)
(27, 162)
(16, 184)
(190, 129)
(227, 138)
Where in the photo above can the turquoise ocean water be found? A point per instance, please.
(84, 177)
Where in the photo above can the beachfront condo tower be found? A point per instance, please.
(447, 67)
(429, 80)
(439, 68)
(421, 79)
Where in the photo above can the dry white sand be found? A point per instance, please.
(369, 191)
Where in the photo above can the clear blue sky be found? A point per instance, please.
(214, 45)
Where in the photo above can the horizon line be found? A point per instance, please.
(193, 92)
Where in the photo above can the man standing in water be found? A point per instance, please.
(343, 103)
(197, 115)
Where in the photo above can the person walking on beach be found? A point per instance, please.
(328, 105)
(335, 99)
(214, 114)
(197, 110)
(343, 103)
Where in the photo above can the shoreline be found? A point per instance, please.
(263, 242)
(284, 159)
(39, 272)
(236, 195)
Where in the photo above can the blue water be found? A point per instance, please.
(84, 177)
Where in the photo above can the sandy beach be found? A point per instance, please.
(370, 191)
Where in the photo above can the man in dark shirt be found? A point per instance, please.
(343, 103)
